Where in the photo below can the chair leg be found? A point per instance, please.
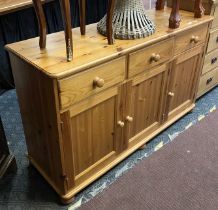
(82, 7)
(174, 20)
(42, 23)
(160, 4)
(110, 12)
(199, 9)
(66, 16)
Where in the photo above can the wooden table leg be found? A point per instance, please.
(110, 12)
(7, 161)
(174, 20)
(160, 4)
(42, 23)
(82, 6)
(199, 9)
(66, 16)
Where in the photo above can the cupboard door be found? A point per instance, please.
(183, 80)
(147, 100)
(95, 133)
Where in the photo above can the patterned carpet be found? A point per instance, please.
(28, 190)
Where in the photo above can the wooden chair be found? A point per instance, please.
(174, 20)
(66, 16)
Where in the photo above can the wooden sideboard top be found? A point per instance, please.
(8, 6)
(92, 49)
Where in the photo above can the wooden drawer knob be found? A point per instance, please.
(98, 82)
(195, 39)
(129, 119)
(155, 57)
(171, 94)
(121, 124)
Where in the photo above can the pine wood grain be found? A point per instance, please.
(184, 72)
(141, 60)
(73, 90)
(90, 49)
(184, 40)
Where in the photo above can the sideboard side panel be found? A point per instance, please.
(37, 95)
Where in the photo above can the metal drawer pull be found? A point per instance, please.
(213, 60)
(209, 80)
(98, 82)
(195, 39)
(129, 119)
(121, 124)
(155, 57)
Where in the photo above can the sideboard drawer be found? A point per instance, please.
(208, 81)
(190, 38)
(85, 84)
(149, 57)
(213, 41)
(211, 61)
(215, 21)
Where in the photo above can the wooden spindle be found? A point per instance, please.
(42, 23)
(175, 19)
(199, 9)
(82, 6)
(66, 16)
(110, 12)
(160, 4)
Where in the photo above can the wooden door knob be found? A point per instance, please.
(121, 124)
(195, 39)
(171, 94)
(98, 82)
(129, 119)
(155, 57)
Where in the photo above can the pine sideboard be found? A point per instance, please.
(81, 118)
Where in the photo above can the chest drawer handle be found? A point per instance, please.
(217, 40)
(98, 82)
(155, 57)
(213, 60)
(195, 39)
(209, 80)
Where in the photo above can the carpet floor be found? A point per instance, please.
(183, 175)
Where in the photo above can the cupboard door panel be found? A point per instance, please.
(93, 134)
(185, 73)
(147, 100)
(183, 76)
